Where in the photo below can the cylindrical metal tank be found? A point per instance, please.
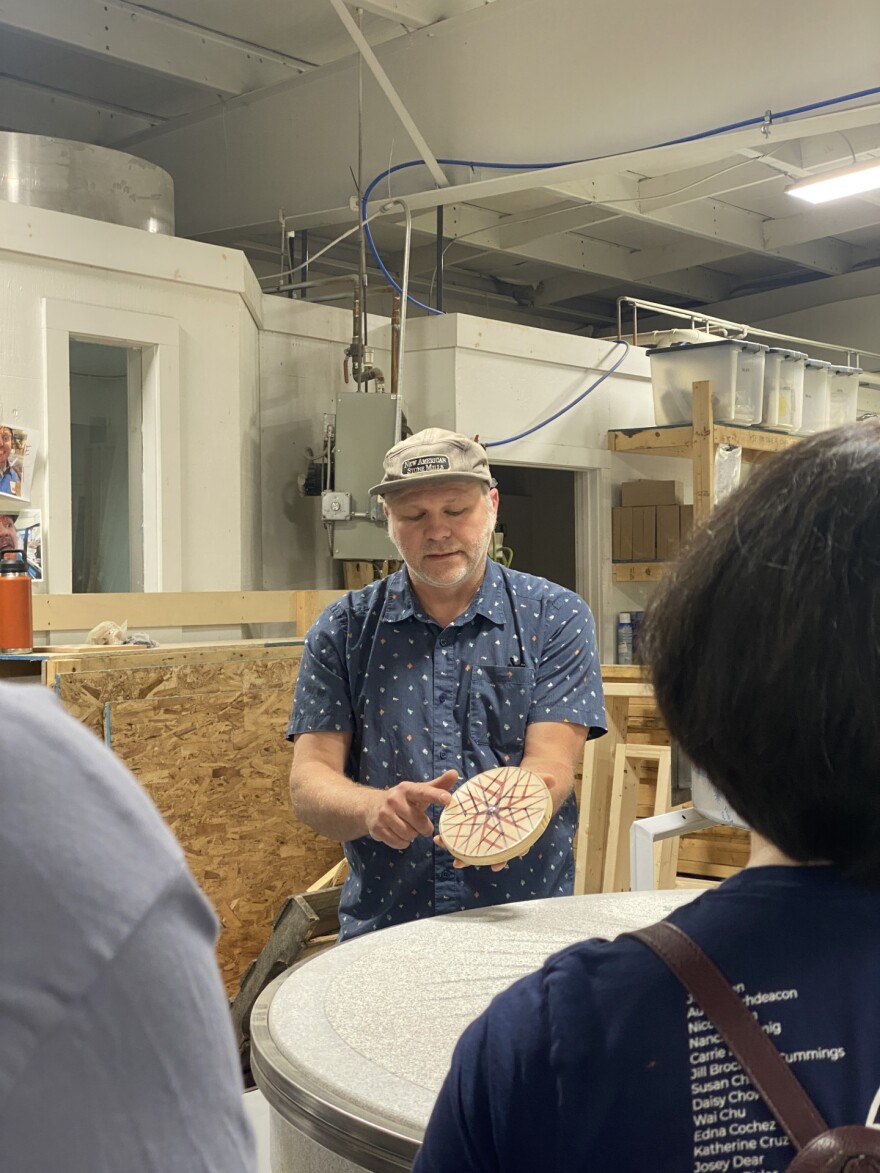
(350, 1048)
(85, 180)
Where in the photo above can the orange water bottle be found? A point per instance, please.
(16, 608)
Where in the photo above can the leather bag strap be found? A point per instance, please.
(765, 1067)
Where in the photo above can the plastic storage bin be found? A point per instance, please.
(660, 339)
(817, 396)
(783, 389)
(733, 367)
(843, 395)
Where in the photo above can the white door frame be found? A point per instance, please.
(158, 339)
(592, 514)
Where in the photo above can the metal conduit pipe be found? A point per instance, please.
(350, 278)
(404, 284)
(853, 355)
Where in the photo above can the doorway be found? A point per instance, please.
(537, 516)
(106, 468)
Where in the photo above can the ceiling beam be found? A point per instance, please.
(828, 291)
(645, 161)
(685, 253)
(833, 220)
(698, 183)
(688, 254)
(387, 88)
(31, 109)
(550, 221)
(153, 42)
(726, 224)
(400, 13)
(480, 229)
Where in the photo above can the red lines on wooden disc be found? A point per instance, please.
(496, 816)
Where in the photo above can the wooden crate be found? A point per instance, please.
(704, 856)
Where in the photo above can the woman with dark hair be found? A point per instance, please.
(764, 649)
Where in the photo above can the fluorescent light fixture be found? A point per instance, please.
(823, 188)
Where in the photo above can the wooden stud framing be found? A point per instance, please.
(704, 453)
(639, 571)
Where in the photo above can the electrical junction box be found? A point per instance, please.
(335, 506)
(367, 425)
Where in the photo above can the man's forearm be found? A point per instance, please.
(329, 802)
(562, 773)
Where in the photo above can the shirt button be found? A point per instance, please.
(442, 751)
(443, 641)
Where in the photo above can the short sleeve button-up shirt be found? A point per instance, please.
(419, 700)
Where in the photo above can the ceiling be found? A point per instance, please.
(706, 223)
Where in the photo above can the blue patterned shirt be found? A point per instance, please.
(419, 700)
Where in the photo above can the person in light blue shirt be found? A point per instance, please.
(117, 1053)
(451, 666)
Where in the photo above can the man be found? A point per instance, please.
(116, 1042)
(9, 539)
(10, 477)
(451, 666)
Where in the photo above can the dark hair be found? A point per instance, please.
(764, 649)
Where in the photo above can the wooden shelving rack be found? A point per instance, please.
(638, 571)
(697, 442)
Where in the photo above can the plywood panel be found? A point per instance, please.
(202, 728)
(216, 765)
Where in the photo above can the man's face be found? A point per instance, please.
(5, 445)
(443, 531)
(8, 533)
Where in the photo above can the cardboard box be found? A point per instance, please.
(621, 534)
(644, 548)
(638, 493)
(668, 532)
(686, 523)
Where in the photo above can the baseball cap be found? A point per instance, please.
(431, 457)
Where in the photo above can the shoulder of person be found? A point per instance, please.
(542, 590)
(354, 607)
(371, 598)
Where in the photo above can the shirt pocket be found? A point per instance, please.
(498, 706)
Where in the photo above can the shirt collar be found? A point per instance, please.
(401, 603)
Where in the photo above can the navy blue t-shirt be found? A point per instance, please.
(602, 1060)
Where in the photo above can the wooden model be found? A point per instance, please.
(496, 816)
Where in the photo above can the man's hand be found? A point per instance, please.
(549, 781)
(398, 815)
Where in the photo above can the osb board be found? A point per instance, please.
(216, 765)
(85, 694)
(84, 659)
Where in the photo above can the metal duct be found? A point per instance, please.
(85, 180)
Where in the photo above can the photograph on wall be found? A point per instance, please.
(17, 454)
(21, 529)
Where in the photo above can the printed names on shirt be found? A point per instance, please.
(733, 1130)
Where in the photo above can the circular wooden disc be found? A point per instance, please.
(495, 816)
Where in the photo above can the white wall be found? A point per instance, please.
(302, 349)
(209, 297)
(522, 80)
